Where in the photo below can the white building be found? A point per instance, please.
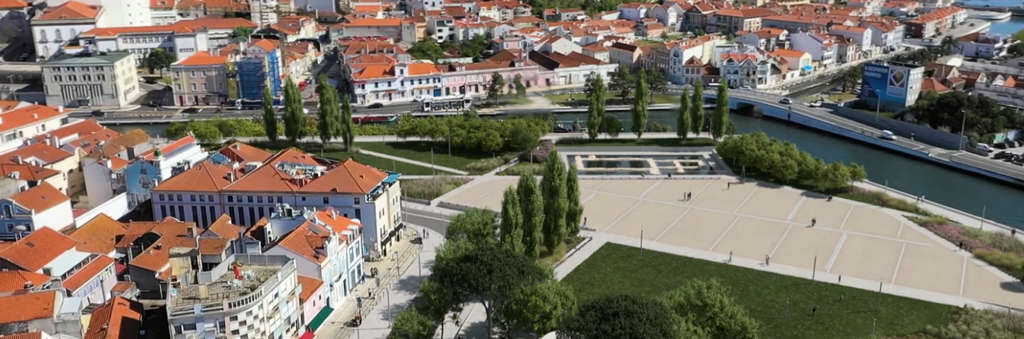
(57, 27)
(37, 208)
(821, 47)
(20, 121)
(50, 312)
(44, 155)
(119, 12)
(984, 45)
(100, 79)
(861, 35)
(163, 12)
(573, 69)
(82, 275)
(253, 190)
(124, 161)
(399, 82)
(183, 38)
(257, 299)
(264, 12)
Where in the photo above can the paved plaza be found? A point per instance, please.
(752, 220)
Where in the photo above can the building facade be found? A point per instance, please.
(891, 86)
(200, 80)
(105, 79)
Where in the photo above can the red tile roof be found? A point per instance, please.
(23, 307)
(40, 199)
(27, 172)
(15, 280)
(119, 318)
(87, 273)
(203, 59)
(184, 26)
(43, 152)
(70, 10)
(309, 285)
(37, 249)
(28, 115)
(99, 235)
(242, 153)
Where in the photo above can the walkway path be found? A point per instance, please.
(414, 162)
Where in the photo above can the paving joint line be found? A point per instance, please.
(745, 200)
(484, 195)
(963, 276)
(835, 253)
(701, 190)
(781, 240)
(649, 189)
(624, 214)
(898, 262)
(847, 217)
(796, 208)
(723, 234)
(671, 225)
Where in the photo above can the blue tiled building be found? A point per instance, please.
(256, 73)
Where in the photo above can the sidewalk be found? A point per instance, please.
(414, 162)
(959, 216)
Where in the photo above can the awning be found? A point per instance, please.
(307, 335)
(320, 318)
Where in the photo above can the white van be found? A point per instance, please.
(984, 148)
(887, 135)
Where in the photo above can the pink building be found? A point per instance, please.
(314, 310)
(474, 78)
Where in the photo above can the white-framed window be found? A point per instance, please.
(193, 87)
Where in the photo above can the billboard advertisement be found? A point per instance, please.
(888, 82)
(140, 179)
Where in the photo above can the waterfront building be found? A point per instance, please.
(891, 86)
(200, 80)
(90, 78)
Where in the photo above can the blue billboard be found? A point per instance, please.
(140, 179)
(886, 81)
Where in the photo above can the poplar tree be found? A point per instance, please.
(683, 119)
(533, 214)
(596, 111)
(720, 118)
(697, 110)
(574, 212)
(640, 106)
(348, 128)
(269, 116)
(552, 187)
(511, 221)
(294, 118)
(329, 124)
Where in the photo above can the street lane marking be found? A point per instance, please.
(724, 233)
(672, 224)
(835, 253)
(898, 261)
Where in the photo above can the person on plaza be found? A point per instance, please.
(728, 185)
(767, 260)
(1013, 232)
(814, 221)
(689, 196)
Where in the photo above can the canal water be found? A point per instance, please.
(966, 192)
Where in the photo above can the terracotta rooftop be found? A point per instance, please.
(25, 116)
(173, 234)
(122, 142)
(42, 152)
(203, 177)
(223, 228)
(119, 318)
(24, 307)
(76, 281)
(16, 280)
(309, 285)
(37, 249)
(26, 172)
(69, 11)
(40, 199)
(99, 235)
(202, 59)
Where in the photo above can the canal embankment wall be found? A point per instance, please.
(904, 129)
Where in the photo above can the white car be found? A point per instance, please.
(887, 135)
(305, 111)
(815, 104)
(786, 101)
(984, 148)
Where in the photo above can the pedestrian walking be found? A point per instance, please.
(730, 256)
(767, 260)
(1013, 232)
(584, 221)
(814, 221)
(961, 245)
(814, 310)
(840, 278)
(689, 196)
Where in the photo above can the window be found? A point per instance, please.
(177, 87)
(179, 198)
(357, 201)
(194, 87)
(192, 198)
(57, 78)
(101, 77)
(259, 199)
(161, 197)
(327, 200)
(177, 74)
(204, 88)
(231, 198)
(73, 33)
(72, 77)
(42, 35)
(204, 74)
(192, 74)
(249, 199)
(86, 77)
(209, 198)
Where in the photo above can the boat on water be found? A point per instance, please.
(371, 119)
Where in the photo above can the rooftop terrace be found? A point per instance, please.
(218, 289)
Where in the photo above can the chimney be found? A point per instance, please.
(55, 141)
(47, 142)
(334, 214)
(17, 159)
(60, 109)
(108, 163)
(231, 176)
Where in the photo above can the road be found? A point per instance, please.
(435, 221)
(164, 114)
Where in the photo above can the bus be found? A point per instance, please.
(448, 103)
(243, 104)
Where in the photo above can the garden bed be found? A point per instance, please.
(999, 249)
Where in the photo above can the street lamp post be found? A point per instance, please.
(878, 103)
(963, 125)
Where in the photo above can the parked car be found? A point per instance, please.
(887, 135)
(984, 148)
(99, 113)
(786, 101)
(191, 110)
(376, 105)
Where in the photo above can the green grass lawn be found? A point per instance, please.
(420, 151)
(616, 269)
(383, 164)
(661, 142)
(580, 99)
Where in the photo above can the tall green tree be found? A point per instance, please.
(640, 106)
(706, 304)
(720, 118)
(683, 117)
(656, 83)
(478, 226)
(697, 110)
(574, 211)
(595, 112)
(328, 124)
(611, 125)
(241, 33)
(490, 275)
(622, 317)
(294, 118)
(622, 82)
(556, 204)
(348, 128)
(495, 87)
(511, 221)
(517, 82)
(540, 308)
(533, 214)
(159, 59)
(410, 324)
(269, 116)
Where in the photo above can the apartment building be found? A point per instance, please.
(81, 275)
(183, 38)
(396, 82)
(45, 155)
(50, 312)
(254, 190)
(246, 296)
(936, 22)
(134, 164)
(163, 12)
(39, 207)
(984, 45)
(821, 47)
(104, 79)
(728, 20)
(201, 79)
(57, 27)
(20, 121)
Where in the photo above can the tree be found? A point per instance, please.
(517, 82)
(494, 88)
(240, 33)
(835, 176)
(159, 59)
(269, 116)
(720, 118)
(622, 82)
(540, 308)
(176, 129)
(348, 128)
(329, 123)
(857, 172)
(706, 304)
(427, 49)
(640, 106)
(683, 117)
(490, 275)
(205, 132)
(611, 126)
(697, 110)
(294, 118)
(574, 209)
(478, 226)
(511, 221)
(656, 82)
(533, 214)
(524, 138)
(622, 317)
(410, 324)
(595, 112)
(553, 191)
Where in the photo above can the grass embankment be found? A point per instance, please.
(474, 163)
(336, 152)
(994, 247)
(524, 168)
(580, 99)
(433, 188)
(782, 304)
(660, 142)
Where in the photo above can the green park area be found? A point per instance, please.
(782, 305)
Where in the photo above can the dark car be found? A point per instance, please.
(99, 113)
(191, 110)
(376, 105)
